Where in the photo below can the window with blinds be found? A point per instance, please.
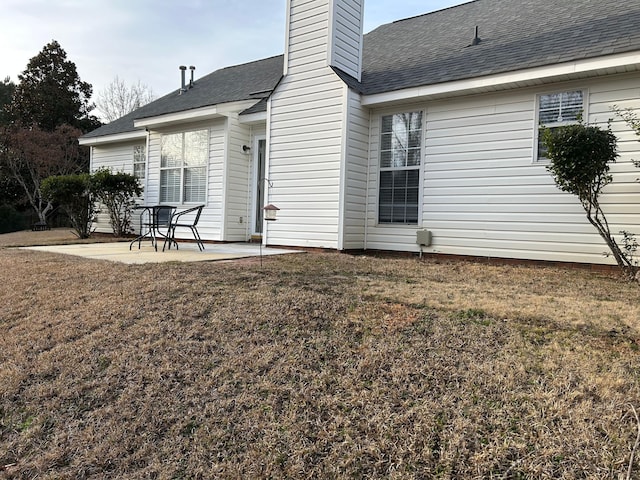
(183, 167)
(139, 161)
(400, 160)
(555, 110)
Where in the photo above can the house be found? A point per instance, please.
(428, 123)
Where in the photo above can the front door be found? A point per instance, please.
(260, 184)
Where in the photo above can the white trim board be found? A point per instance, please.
(611, 64)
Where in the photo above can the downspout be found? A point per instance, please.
(146, 165)
(267, 173)
(226, 160)
(250, 199)
(344, 157)
(368, 183)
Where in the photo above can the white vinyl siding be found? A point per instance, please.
(308, 32)
(118, 157)
(210, 225)
(346, 43)
(322, 33)
(305, 159)
(213, 214)
(238, 182)
(355, 185)
(482, 195)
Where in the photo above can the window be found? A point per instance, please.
(183, 167)
(556, 110)
(139, 161)
(400, 160)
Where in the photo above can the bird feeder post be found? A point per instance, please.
(270, 212)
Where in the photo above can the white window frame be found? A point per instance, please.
(537, 124)
(419, 168)
(182, 167)
(140, 151)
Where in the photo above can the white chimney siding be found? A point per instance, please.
(345, 47)
(309, 117)
(325, 32)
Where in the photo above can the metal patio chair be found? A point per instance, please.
(178, 221)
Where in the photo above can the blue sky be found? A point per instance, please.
(146, 40)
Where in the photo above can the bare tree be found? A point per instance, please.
(117, 99)
(28, 155)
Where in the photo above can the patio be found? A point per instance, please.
(188, 252)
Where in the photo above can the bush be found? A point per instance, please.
(116, 191)
(10, 219)
(580, 156)
(73, 194)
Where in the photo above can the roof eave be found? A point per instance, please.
(253, 118)
(591, 67)
(114, 138)
(193, 115)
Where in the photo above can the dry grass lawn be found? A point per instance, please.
(314, 366)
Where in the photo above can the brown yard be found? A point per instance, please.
(314, 366)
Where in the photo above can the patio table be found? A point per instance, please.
(152, 219)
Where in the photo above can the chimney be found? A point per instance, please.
(346, 19)
(182, 72)
(193, 69)
(336, 39)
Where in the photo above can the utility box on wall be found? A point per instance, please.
(423, 237)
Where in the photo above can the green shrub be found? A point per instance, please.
(10, 219)
(73, 194)
(580, 156)
(116, 191)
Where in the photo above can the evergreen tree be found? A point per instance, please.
(49, 110)
(50, 93)
(10, 191)
(7, 87)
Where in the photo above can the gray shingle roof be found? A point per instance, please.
(240, 82)
(435, 48)
(259, 107)
(515, 34)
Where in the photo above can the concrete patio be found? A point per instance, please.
(188, 252)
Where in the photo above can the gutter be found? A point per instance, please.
(116, 137)
(621, 63)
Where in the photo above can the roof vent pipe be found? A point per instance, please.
(182, 72)
(193, 69)
(476, 38)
